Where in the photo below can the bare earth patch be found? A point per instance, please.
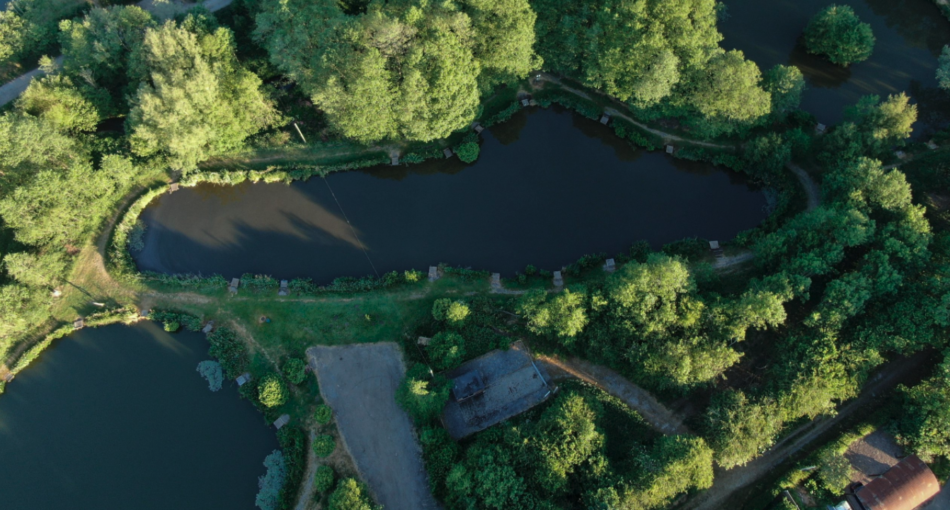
(359, 382)
(872, 455)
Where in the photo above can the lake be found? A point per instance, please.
(549, 187)
(117, 417)
(909, 33)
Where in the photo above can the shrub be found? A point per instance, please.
(229, 351)
(447, 350)
(468, 152)
(323, 445)
(323, 479)
(172, 326)
(448, 310)
(422, 399)
(691, 248)
(837, 33)
(349, 495)
(295, 370)
(323, 414)
(412, 275)
(272, 482)
(271, 392)
(293, 443)
(211, 371)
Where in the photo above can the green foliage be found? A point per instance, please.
(350, 495)
(421, 397)
(468, 152)
(295, 370)
(211, 371)
(837, 33)
(196, 100)
(272, 482)
(230, 352)
(691, 248)
(563, 316)
(446, 350)
(943, 68)
(43, 269)
(451, 311)
(871, 128)
(323, 479)
(323, 414)
(835, 472)
(739, 429)
(323, 445)
(731, 89)
(767, 155)
(271, 391)
(398, 70)
(172, 326)
(64, 105)
(293, 443)
(925, 424)
(785, 84)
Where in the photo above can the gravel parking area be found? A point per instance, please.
(359, 382)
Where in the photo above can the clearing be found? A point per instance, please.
(359, 382)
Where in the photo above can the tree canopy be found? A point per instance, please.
(837, 33)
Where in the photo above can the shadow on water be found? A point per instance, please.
(909, 36)
(546, 200)
(117, 417)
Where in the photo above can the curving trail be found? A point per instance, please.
(637, 398)
(812, 191)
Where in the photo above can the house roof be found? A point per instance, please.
(903, 487)
(468, 385)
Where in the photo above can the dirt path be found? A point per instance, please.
(728, 482)
(658, 416)
(359, 382)
(812, 191)
(613, 112)
(725, 262)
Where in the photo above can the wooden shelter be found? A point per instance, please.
(905, 486)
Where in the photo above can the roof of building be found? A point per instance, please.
(468, 385)
(903, 487)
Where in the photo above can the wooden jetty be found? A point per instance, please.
(670, 149)
(243, 379)
(283, 420)
(716, 249)
(496, 281)
(433, 273)
(234, 285)
(173, 187)
(931, 145)
(448, 152)
(284, 290)
(900, 154)
(209, 327)
(79, 323)
(394, 160)
(478, 128)
(605, 118)
(820, 129)
(558, 279)
(525, 102)
(610, 266)
(423, 341)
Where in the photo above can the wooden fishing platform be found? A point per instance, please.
(233, 288)
(284, 290)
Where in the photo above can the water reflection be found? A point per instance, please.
(285, 210)
(818, 70)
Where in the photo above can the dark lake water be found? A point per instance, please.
(549, 187)
(117, 417)
(910, 35)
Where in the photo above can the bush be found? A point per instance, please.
(323, 414)
(323, 479)
(293, 442)
(412, 275)
(323, 445)
(449, 310)
(172, 326)
(295, 370)
(447, 350)
(271, 392)
(691, 248)
(229, 351)
(272, 482)
(837, 33)
(468, 152)
(211, 371)
(422, 398)
(349, 495)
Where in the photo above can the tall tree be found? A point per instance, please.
(837, 33)
(197, 101)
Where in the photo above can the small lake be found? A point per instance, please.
(910, 35)
(117, 417)
(549, 187)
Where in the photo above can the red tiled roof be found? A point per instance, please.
(903, 487)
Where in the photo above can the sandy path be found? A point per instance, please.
(812, 191)
(359, 382)
(655, 413)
